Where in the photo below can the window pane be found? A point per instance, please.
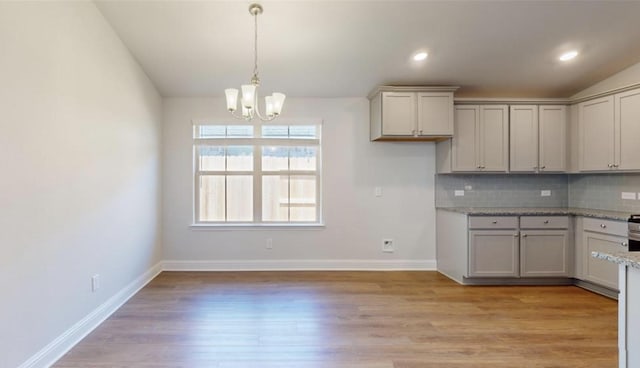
(303, 158)
(210, 131)
(303, 131)
(239, 131)
(275, 158)
(275, 131)
(275, 198)
(240, 198)
(210, 158)
(303, 198)
(240, 158)
(212, 198)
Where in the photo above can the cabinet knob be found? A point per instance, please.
(543, 167)
(524, 235)
(515, 235)
(624, 244)
(494, 221)
(615, 165)
(546, 221)
(482, 167)
(610, 165)
(603, 226)
(413, 132)
(420, 131)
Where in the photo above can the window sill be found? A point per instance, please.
(231, 227)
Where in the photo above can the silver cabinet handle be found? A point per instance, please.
(543, 167)
(603, 226)
(482, 167)
(610, 165)
(494, 221)
(515, 235)
(524, 235)
(624, 244)
(615, 165)
(546, 221)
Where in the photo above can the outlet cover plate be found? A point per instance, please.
(387, 245)
(458, 193)
(628, 195)
(545, 193)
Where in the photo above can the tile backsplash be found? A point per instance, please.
(596, 191)
(496, 190)
(603, 191)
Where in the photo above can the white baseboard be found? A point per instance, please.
(48, 355)
(301, 265)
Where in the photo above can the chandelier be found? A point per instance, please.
(249, 100)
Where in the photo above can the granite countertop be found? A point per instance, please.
(631, 259)
(533, 211)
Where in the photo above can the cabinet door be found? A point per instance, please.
(494, 138)
(523, 138)
(544, 253)
(464, 145)
(552, 138)
(399, 113)
(599, 271)
(627, 132)
(435, 113)
(596, 134)
(493, 253)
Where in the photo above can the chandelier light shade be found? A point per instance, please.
(249, 100)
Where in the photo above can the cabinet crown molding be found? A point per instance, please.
(379, 89)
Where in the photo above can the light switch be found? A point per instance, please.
(378, 191)
(458, 193)
(545, 193)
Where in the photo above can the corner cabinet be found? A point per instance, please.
(481, 139)
(537, 138)
(411, 113)
(608, 133)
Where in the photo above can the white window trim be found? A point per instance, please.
(257, 173)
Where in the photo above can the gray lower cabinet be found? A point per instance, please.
(493, 253)
(607, 236)
(525, 246)
(544, 253)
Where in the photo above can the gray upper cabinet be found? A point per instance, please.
(552, 132)
(609, 131)
(411, 113)
(481, 138)
(627, 130)
(537, 138)
(596, 134)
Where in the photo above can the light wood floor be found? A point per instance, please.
(350, 319)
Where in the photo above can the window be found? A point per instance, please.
(257, 174)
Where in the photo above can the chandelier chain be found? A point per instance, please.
(255, 47)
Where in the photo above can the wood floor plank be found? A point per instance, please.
(350, 320)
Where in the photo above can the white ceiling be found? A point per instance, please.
(346, 48)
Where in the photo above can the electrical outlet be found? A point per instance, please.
(458, 193)
(377, 191)
(269, 243)
(545, 193)
(387, 245)
(628, 195)
(95, 283)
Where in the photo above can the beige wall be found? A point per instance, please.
(627, 77)
(356, 220)
(79, 170)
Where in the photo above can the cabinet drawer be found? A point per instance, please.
(605, 226)
(493, 222)
(544, 222)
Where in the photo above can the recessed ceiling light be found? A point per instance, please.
(420, 56)
(568, 55)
